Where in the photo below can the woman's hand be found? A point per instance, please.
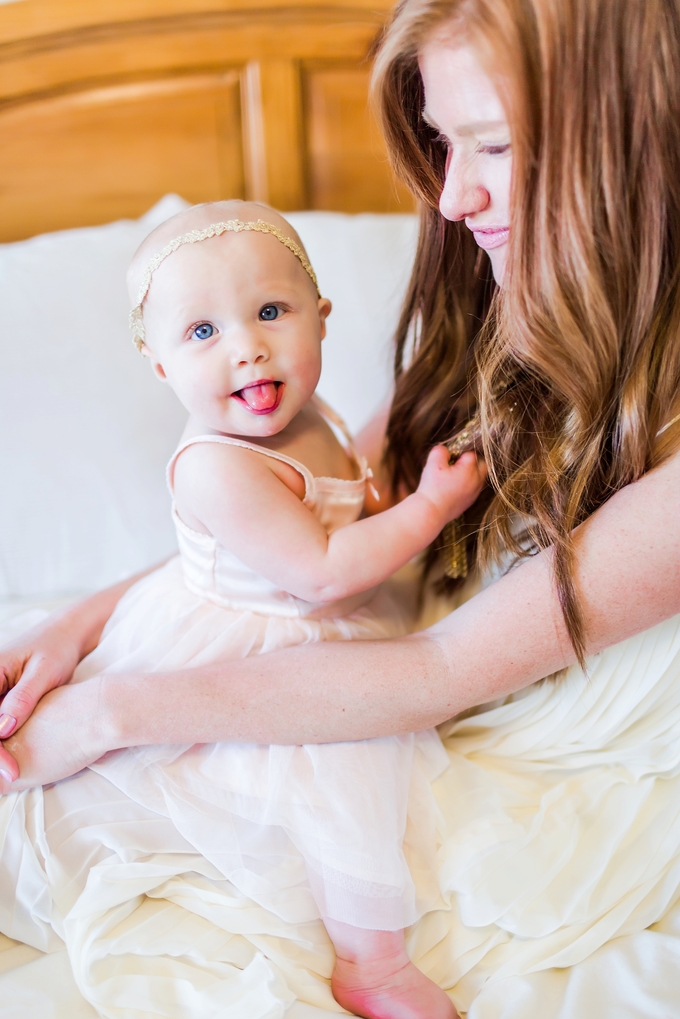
(64, 734)
(452, 488)
(39, 661)
(44, 658)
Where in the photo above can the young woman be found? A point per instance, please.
(542, 137)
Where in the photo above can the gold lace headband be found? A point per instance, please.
(235, 226)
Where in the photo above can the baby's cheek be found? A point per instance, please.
(192, 393)
(304, 370)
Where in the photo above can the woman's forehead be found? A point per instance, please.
(459, 95)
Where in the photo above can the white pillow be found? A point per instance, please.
(85, 428)
(84, 425)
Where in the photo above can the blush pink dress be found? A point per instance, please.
(303, 830)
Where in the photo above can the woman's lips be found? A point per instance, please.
(491, 237)
(261, 397)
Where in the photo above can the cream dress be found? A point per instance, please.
(328, 816)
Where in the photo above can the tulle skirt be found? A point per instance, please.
(303, 830)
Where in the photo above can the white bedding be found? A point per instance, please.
(37, 986)
(627, 979)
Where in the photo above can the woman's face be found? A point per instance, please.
(462, 105)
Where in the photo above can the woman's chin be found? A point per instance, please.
(498, 259)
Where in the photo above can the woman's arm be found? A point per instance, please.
(508, 636)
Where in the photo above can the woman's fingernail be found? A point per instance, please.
(6, 775)
(7, 725)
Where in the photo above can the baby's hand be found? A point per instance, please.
(452, 488)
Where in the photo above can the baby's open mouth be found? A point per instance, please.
(261, 397)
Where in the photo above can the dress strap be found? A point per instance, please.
(334, 418)
(362, 463)
(227, 440)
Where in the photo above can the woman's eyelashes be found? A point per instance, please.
(496, 150)
(488, 148)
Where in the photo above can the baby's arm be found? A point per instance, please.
(238, 498)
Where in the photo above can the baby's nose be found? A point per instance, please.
(248, 347)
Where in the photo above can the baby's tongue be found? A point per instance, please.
(262, 397)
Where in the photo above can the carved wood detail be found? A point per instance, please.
(273, 133)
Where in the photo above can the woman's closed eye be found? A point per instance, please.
(496, 150)
(270, 312)
(203, 331)
(488, 148)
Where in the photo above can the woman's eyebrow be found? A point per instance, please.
(473, 128)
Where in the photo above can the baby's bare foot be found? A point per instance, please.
(391, 988)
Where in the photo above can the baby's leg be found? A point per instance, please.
(374, 977)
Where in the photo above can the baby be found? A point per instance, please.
(274, 551)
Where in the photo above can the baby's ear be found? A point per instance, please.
(325, 308)
(156, 367)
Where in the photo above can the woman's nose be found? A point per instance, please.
(463, 194)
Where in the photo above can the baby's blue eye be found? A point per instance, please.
(269, 313)
(204, 331)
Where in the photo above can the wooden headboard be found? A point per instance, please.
(106, 105)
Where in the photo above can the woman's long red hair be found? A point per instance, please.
(574, 365)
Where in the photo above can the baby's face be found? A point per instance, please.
(235, 325)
